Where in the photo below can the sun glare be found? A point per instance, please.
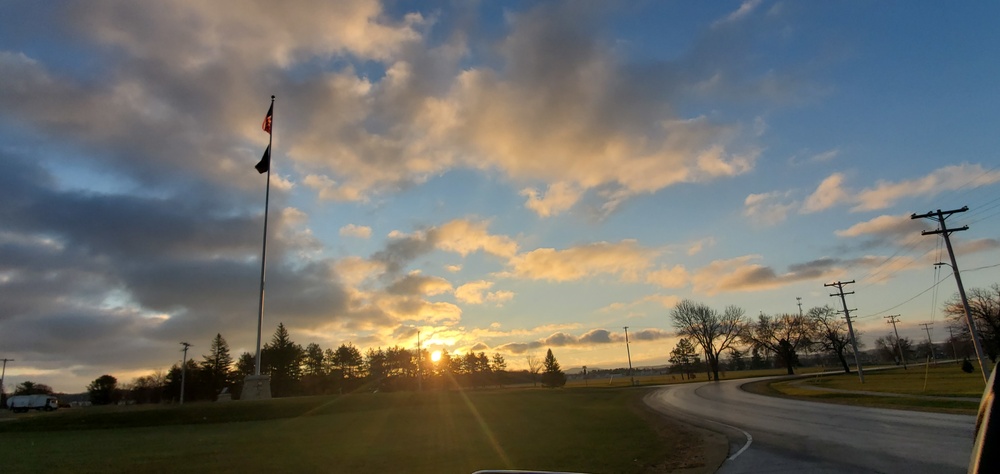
(436, 356)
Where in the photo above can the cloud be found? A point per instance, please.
(814, 158)
(829, 193)
(463, 237)
(740, 274)
(359, 231)
(186, 33)
(415, 284)
(884, 226)
(475, 293)
(832, 191)
(700, 245)
(768, 208)
(594, 337)
(977, 246)
(558, 198)
(949, 178)
(747, 7)
(675, 277)
(625, 259)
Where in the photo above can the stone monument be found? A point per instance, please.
(256, 387)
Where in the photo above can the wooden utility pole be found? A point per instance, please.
(893, 319)
(184, 368)
(951, 337)
(629, 353)
(850, 327)
(930, 344)
(3, 392)
(420, 368)
(943, 229)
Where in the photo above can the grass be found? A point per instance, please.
(624, 380)
(944, 381)
(941, 380)
(583, 430)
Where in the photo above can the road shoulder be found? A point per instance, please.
(696, 450)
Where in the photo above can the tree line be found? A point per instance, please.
(312, 370)
(821, 330)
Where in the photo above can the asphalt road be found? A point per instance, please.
(769, 434)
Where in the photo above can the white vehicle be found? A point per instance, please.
(22, 403)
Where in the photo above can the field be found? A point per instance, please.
(941, 388)
(597, 430)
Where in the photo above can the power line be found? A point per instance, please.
(907, 301)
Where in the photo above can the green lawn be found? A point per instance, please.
(946, 380)
(450, 432)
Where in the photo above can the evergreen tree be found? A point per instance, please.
(498, 366)
(217, 367)
(283, 360)
(683, 356)
(245, 365)
(314, 360)
(348, 359)
(553, 375)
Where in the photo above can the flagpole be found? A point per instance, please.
(263, 252)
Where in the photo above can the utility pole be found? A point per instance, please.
(420, 368)
(629, 352)
(943, 229)
(893, 319)
(951, 337)
(3, 391)
(184, 369)
(850, 327)
(930, 345)
(799, 300)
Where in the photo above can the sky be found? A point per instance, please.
(499, 176)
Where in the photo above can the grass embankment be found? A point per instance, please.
(946, 383)
(645, 380)
(460, 432)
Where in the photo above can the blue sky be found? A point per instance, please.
(501, 176)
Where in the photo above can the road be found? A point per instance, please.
(769, 434)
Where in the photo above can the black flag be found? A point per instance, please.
(265, 163)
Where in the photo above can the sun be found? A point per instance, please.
(436, 356)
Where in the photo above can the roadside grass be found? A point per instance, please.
(945, 380)
(643, 380)
(941, 381)
(575, 430)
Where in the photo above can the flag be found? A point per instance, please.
(265, 163)
(266, 126)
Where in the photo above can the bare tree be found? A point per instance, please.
(831, 333)
(888, 348)
(534, 367)
(783, 335)
(713, 331)
(984, 305)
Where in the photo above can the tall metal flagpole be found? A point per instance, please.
(263, 252)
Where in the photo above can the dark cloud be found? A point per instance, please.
(590, 338)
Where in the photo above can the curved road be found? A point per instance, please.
(769, 434)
